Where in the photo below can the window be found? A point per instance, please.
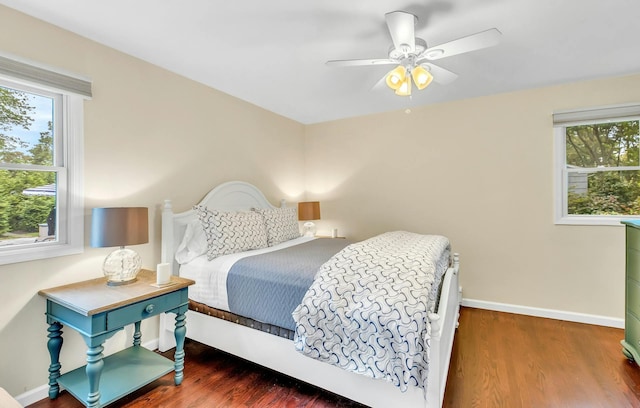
(41, 202)
(597, 165)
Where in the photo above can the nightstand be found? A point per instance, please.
(98, 311)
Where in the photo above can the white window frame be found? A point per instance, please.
(70, 91)
(564, 119)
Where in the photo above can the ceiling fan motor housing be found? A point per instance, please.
(404, 50)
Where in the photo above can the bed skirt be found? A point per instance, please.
(241, 320)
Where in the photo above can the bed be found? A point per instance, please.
(272, 346)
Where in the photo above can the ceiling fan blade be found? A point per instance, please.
(440, 75)
(402, 29)
(360, 62)
(381, 84)
(483, 39)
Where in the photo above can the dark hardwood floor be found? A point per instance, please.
(499, 360)
(508, 360)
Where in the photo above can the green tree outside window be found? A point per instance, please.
(603, 162)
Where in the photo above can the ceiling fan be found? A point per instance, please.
(412, 55)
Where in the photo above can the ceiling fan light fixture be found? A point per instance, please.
(411, 55)
(422, 77)
(396, 77)
(405, 87)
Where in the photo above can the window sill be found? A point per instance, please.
(595, 220)
(42, 251)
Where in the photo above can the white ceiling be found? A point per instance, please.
(273, 53)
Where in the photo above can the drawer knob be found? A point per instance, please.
(149, 308)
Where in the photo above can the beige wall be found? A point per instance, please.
(149, 135)
(479, 171)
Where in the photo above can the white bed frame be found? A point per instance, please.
(278, 353)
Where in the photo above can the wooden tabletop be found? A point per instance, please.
(95, 296)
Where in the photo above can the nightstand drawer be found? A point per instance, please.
(142, 310)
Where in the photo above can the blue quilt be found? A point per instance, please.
(268, 287)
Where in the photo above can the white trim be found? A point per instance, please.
(559, 179)
(32, 396)
(74, 122)
(609, 220)
(589, 170)
(546, 313)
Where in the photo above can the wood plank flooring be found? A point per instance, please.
(499, 360)
(508, 360)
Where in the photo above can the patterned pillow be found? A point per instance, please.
(281, 223)
(232, 231)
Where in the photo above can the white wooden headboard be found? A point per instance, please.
(230, 196)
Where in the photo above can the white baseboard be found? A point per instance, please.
(547, 313)
(42, 392)
(33, 396)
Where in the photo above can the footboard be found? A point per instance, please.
(279, 354)
(443, 328)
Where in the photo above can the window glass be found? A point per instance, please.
(27, 197)
(603, 144)
(604, 193)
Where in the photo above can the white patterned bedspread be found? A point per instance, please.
(367, 310)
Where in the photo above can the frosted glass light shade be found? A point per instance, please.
(421, 77)
(405, 87)
(122, 266)
(396, 77)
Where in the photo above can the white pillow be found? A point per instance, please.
(281, 224)
(232, 231)
(194, 243)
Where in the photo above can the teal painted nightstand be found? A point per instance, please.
(97, 311)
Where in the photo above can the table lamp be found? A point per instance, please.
(309, 211)
(118, 227)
